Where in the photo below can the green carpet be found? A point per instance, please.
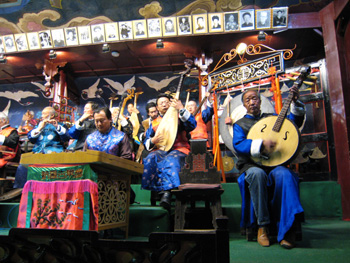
(324, 240)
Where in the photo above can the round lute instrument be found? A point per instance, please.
(280, 130)
(169, 124)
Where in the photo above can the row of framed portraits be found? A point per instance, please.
(248, 19)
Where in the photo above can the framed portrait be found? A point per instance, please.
(263, 18)
(169, 26)
(21, 42)
(9, 42)
(215, 22)
(231, 21)
(125, 30)
(58, 37)
(84, 35)
(33, 40)
(279, 17)
(71, 36)
(139, 28)
(184, 25)
(98, 33)
(154, 27)
(2, 47)
(200, 23)
(112, 32)
(45, 39)
(247, 18)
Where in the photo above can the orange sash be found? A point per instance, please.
(6, 157)
(181, 143)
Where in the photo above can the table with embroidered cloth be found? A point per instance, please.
(78, 191)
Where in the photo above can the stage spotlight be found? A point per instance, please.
(52, 54)
(3, 59)
(262, 36)
(105, 48)
(160, 44)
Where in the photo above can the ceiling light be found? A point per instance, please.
(160, 44)
(262, 36)
(52, 54)
(3, 59)
(241, 48)
(115, 54)
(105, 48)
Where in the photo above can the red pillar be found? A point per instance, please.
(337, 50)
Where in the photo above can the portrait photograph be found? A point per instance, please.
(58, 37)
(200, 23)
(125, 30)
(247, 18)
(263, 18)
(98, 33)
(84, 35)
(33, 40)
(21, 42)
(184, 25)
(215, 22)
(2, 47)
(139, 28)
(154, 27)
(169, 26)
(71, 36)
(231, 21)
(112, 33)
(45, 39)
(9, 42)
(279, 17)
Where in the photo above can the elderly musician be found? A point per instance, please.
(269, 187)
(48, 136)
(200, 132)
(161, 168)
(83, 127)
(8, 141)
(107, 138)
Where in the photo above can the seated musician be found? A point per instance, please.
(8, 142)
(121, 122)
(200, 132)
(131, 109)
(161, 169)
(48, 136)
(152, 112)
(83, 127)
(28, 121)
(276, 187)
(107, 138)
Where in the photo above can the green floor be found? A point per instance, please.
(324, 240)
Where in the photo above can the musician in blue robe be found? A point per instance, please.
(161, 168)
(48, 136)
(83, 127)
(274, 192)
(107, 138)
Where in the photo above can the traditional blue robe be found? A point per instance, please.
(161, 169)
(282, 183)
(49, 139)
(113, 142)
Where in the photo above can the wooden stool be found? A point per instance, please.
(189, 194)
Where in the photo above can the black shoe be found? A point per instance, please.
(165, 201)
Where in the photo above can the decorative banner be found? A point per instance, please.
(249, 71)
(61, 173)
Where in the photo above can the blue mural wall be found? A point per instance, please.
(18, 98)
